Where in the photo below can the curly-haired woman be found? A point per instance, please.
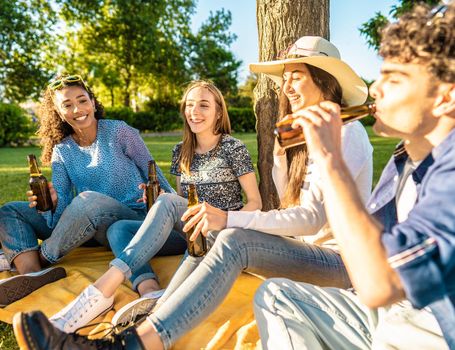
(97, 165)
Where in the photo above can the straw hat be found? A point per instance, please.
(320, 53)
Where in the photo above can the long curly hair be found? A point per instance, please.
(297, 156)
(52, 128)
(222, 125)
(423, 36)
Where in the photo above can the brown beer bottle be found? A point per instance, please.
(152, 189)
(289, 137)
(38, 185)
(198, 247)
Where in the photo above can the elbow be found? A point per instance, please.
(258, 204)
(253, 204)
(379, 297)
(373, 301)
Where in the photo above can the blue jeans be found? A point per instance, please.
(293, 315)
(234, 251)
(88, 216)
(161, 231)
(122, 232)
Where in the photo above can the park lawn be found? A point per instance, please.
(14, 178)
(14, 170)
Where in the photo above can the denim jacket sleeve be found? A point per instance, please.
(422, 248)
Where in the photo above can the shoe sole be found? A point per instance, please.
(132, 311)
(20, 286)
(19, 332)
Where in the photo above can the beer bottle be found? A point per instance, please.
(152, 189)
(289, 137)
(198, 247)
(38, 185)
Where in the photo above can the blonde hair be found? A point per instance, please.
(222, 125)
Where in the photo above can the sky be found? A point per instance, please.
(346, 17)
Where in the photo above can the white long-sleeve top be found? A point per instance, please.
(308, 221)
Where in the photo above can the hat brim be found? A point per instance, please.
(355, 91)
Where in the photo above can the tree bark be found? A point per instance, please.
(280, 23)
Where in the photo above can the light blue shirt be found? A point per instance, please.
(114, 165)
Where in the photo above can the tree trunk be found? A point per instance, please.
(126, 89)
(112, 96)
(280, 23)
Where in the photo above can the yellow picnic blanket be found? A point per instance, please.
(231, 326)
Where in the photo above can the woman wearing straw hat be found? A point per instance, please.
(293, 242)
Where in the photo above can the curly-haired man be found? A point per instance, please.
(401, 255)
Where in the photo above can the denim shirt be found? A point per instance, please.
(422, 248)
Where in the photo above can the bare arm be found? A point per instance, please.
(357, 233)
(359, 237)
(250, 187)
(206, 217)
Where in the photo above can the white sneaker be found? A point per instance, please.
(137, 308)
(87, 306)
(4, 264)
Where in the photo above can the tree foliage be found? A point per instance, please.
(25, 36)
(209, 55)
(125, 42)
(371, 29)
(131, 51)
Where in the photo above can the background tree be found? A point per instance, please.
(131, 51)
(371, 29)
(280, 23)
(133, 38)
(142, 50)
(25, 32)
(245, 95)
(209, 54)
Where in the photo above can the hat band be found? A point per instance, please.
(294, 51)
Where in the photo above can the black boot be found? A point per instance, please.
(34, 332)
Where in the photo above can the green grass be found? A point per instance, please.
(14, 178)
(14, 169)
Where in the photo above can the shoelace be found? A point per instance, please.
(133, 319)
(110, 333)
(136, 317)
(115, 341)
(75, 313)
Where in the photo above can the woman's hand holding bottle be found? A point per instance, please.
(204, 218)
(33, 199)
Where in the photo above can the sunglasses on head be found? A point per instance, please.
(58, 83)
(436, 13)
